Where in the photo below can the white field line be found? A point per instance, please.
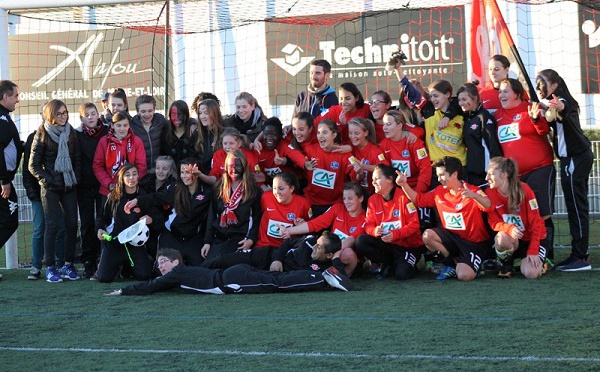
(307, 354)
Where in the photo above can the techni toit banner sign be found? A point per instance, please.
(80, 66)
(432, 39)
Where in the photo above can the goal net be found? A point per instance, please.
(177, 49)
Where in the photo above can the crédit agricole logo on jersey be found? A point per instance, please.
(358, 49)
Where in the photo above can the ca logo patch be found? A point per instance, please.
(509, 133)
(454, 221)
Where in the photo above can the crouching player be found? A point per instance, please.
(240, 278)
(464, 237)
(514, 214)
(392, 237)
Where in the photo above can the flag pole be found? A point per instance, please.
(515, 52)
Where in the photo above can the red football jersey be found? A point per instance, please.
(399, 216)
(334, 113)
(524, 140)
(527, 217)
(460, 216)
(340, 222)
(370, 155)
(275, 213)
(218, 162)
(411, 159)
(326, 181)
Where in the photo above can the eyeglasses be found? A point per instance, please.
(63, 114)
(162, 262)
(376, 102)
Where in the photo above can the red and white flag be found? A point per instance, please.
(489, 36)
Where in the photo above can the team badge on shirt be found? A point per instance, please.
(396, 213)
(421, 153)
(405, 154)
(291, 216)
(514, 219)
(323, 178)
(200, 197)
(508, 133)
(533, 204)
(334, 165)
(352, 229)
(454, 221)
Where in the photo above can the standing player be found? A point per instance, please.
(572, 147)
(12, 150)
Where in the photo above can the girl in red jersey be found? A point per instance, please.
(514, 214)
(233, 140)
(464, 236)
(393, 237)
(380, 103)
(352, 105)
(326, 170)
(280, 208)
(366, 153)
(522, 131)
(276, 155)
(498, 69)
(410, 158)
(346, 220)
(118, 147)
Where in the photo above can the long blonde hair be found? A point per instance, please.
(516, 194)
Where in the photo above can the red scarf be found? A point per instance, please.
(94, 132)
(228, 217)
(115, 157)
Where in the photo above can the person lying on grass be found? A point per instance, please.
(241, 278)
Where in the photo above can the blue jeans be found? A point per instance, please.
(57, 207)
(37, 237)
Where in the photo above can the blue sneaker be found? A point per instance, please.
(52, 275)
(446, 273)
(69, 272)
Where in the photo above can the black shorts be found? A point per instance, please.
(543, 183)
(521, 251)
(466, 252)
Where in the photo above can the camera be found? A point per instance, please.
(396, 57)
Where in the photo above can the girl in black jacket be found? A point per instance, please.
(114, 219)
(186, 222)
(573, 149)
(480, 134)
(235, 211)
(55, 163)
